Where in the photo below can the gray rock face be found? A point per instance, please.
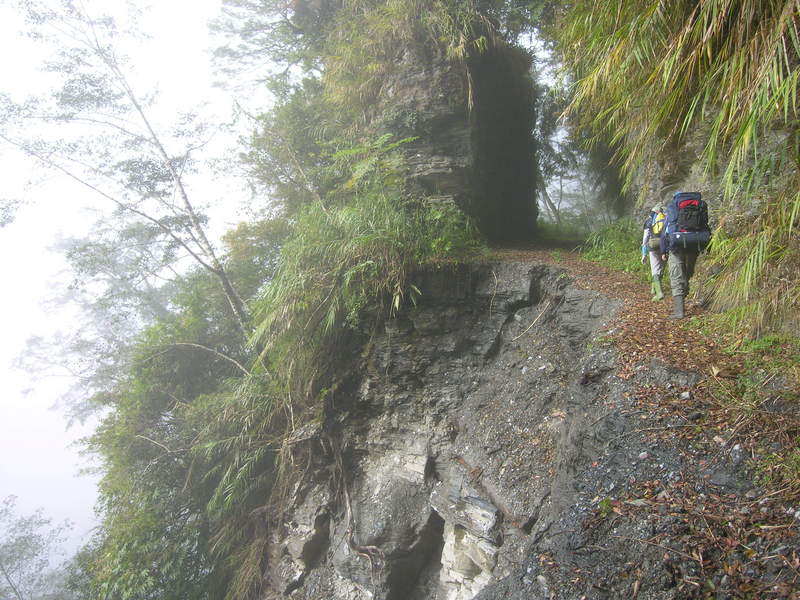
(473, 123)
(487, 450)
(461, 443)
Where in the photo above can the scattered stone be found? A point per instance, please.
(545, 589)
(687, 395)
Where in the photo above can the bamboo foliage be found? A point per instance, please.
(354, 253)
(649, 75)
(756, 271)
(656, 70)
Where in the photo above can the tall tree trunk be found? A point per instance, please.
(550, 206)
(234, 299)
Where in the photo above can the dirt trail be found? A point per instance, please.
(721, 535)
(643, 330)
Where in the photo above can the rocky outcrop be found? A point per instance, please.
(481, 432)
(473, 127)
(486, 449)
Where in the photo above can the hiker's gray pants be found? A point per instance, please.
(681, 268)
(656, 264)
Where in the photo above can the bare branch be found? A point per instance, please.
(215, 352)
(51, 163)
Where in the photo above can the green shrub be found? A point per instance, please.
(618, 245)
(350, 260)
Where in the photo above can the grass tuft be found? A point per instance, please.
(617, 246)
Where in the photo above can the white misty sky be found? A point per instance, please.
(39, 462)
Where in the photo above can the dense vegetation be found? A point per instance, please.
(226, 369)
(704, 94)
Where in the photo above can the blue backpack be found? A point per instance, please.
(687, 222)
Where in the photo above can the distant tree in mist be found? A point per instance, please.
(28, 545)
(99, 128)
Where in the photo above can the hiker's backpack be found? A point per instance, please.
(655, 225)
(687, 222)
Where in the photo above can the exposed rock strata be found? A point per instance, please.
(472, 122)
(476, 454)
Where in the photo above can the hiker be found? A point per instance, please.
(684, 236)
(651, 245)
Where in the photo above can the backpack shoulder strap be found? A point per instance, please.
(671, 216)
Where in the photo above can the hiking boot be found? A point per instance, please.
(658, 295)
(679, 307)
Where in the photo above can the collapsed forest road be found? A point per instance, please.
(536, 428)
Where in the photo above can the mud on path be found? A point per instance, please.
(686, 520)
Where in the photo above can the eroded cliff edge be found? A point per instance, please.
(481, 432)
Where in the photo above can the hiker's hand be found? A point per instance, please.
(663, 257)
(643, 258)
